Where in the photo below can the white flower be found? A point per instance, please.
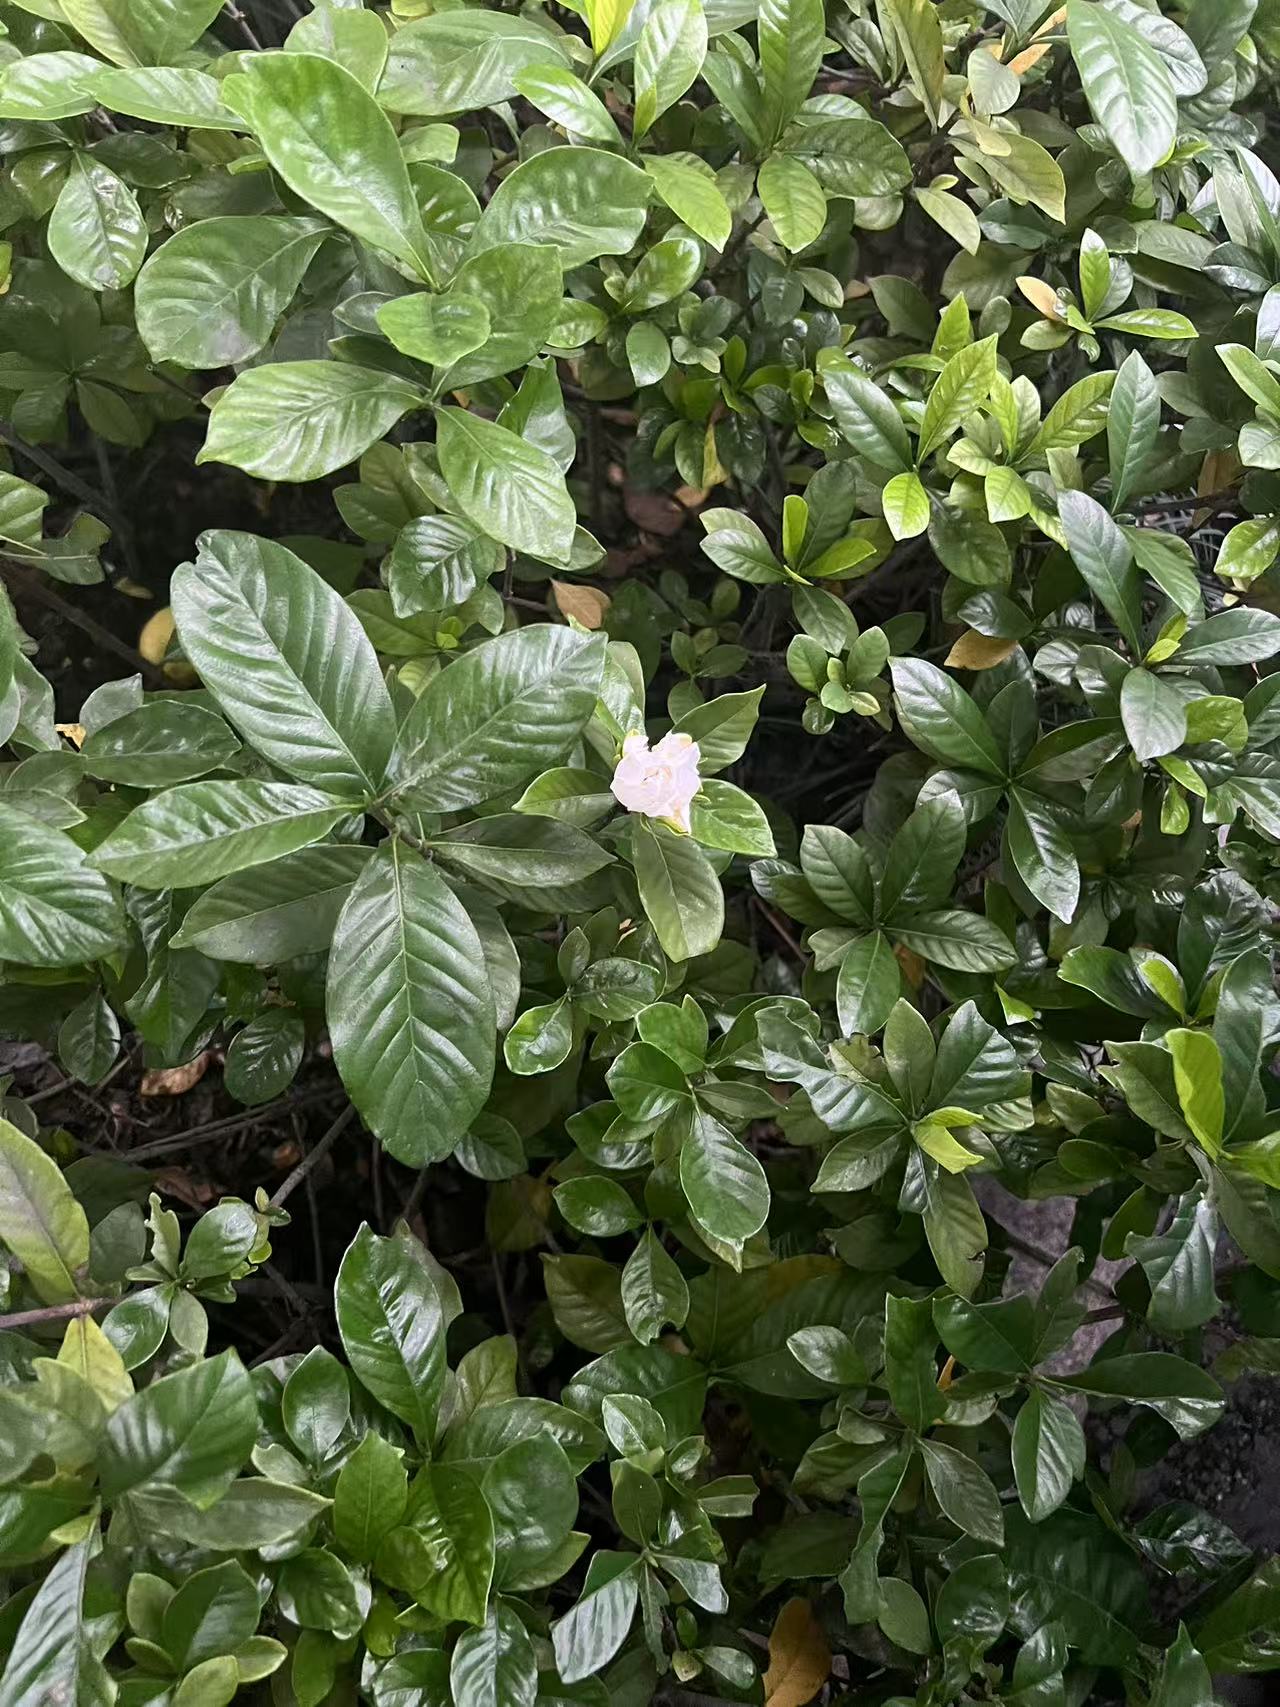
(661, 783)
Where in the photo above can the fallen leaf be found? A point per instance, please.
(1023, 62)
(1041, 296)
(586, 605)
(911, 963)
(175, 1081)
(177, 1182)
(74, 732)
(799, 1658)
(654, 512)
(974, 651)
(157, 632)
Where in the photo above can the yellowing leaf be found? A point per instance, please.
(605, 19)
(586, 605)
(88, 1351)
(799, 1658)
(157, 632)
(1054, 21)
(1041, 296)
(974, 651)
(1023, 62)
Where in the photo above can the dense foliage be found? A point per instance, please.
(973, 308)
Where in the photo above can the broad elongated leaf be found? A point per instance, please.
(212, 294)
(791, 34)
(287, 660)
(190, 1432)
(200, 831)
(504, 711)
(723, 1182)
(328, 139)
(277, 911)
(679, 890)
(45, 1661)
(411, 1011)
(97, 233)
(582, 200)
(461, 60)
(303, 420)
(1048, 1453)
(54, 909)
(393, 1328)
(41, 1224)
(1127, 83)
(507, 486)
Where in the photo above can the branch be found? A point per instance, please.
(33, 586)
(315, 1155)
(54, 1312)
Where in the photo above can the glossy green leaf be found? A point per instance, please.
(410, 1007)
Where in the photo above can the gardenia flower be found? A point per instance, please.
(659, 783)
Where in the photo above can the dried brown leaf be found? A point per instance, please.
(175, 1081)
(799, 1658)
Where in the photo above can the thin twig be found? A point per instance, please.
(26, 585)
(54, 1312)
(314, 1155)
(246, 28)
(232, 1123)
(57, 471)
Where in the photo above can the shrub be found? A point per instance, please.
(668, 352)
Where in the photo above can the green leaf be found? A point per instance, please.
(1048, 1453)
(597, 1206)
(41, 1223)
(287, 660)
(96, 233)
(1042, 854)
(147, 31)
(1078, 415)
(654, 1291)
(212, 293)
(679, 890)
(191, 1432)
(165, 95)
(45, 86)
(669, 56)
(688, 186)
(567, 101)
(448, 1511)
(410, 1008)
(47, 1654)
(201, 831)
(55, 910)
(162, 742)
(940, 717)
(1127, 84)
(583, 201)
(1178, 1264)
(963, 386)
(264, 1056)
(919, 33)
(964, 1491)
(906, 505)
(392, 1326)
(867, 986)
(1154, 715)
(509, 708)
(1197, 1073)
(1187, 1398)
(89, 1039)
(332, 144)
(507, 486)
(791, 34)
(910, 1365)
(303, 420)
(462, 61)
(435, 329)
(1133, 426)
(867, 417)
(587, 1637)
(369, 1497)
(723, 1183)
(274, 912)
(794, 200)
(214, 1611)
(495, 1665)
(722, 816)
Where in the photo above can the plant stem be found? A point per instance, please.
(315, 1155)
(31, 585)
(54, 1312)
